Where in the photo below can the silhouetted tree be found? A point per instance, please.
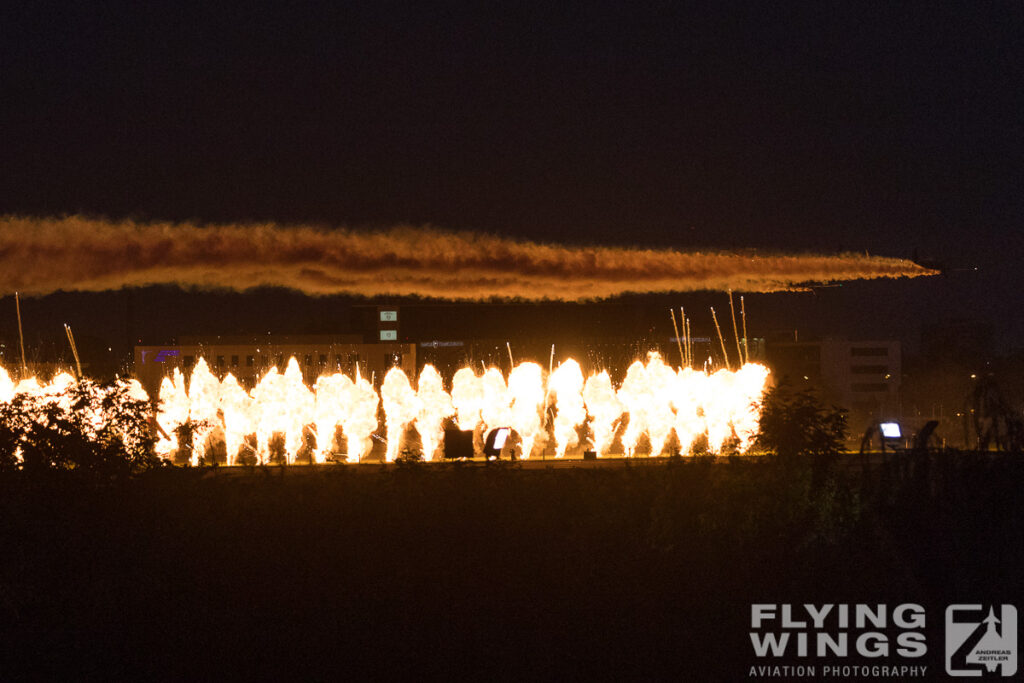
(995, 421)
(97, 429)
(15, 419)
(796, 423)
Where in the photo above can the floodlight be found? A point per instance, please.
(891, 430)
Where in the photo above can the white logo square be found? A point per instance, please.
(981, 639)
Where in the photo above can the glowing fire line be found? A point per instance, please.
(282, 419)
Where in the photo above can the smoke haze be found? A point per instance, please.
(43, 255)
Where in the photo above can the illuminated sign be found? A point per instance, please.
(440, 344)
(161, 356)
(389, 335)
(388, 316)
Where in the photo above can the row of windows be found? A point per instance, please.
(279, 360)
(869, 369)
(869, 351)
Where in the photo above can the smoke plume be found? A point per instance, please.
(42, 255)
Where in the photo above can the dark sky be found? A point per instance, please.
(896, 128)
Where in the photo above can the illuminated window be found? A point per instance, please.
(389, 335)
(388, 316)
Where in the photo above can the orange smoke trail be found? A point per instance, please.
(42, 255)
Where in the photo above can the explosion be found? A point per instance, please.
(283, 420)
(435, 406)
(359, 419)
(467, 398)
(236, 407)
(566, 383)
(401, 406)
(604, 408)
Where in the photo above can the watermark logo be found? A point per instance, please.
(981, 639)
(838, 641)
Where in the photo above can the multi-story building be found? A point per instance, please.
(248, 358)
(861, 376)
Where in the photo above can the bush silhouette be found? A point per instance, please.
(96, 429)
(796, 423)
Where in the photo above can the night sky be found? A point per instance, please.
(892, 128)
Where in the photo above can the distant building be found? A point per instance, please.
(248, 358)
(861, 376)
(611, 353)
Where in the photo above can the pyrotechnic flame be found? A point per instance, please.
(204, 402)
(467, 398)
(724, 406)
(172, 413)
(526, 388)
(494, 406)
(749, 383)
(43, 255)
(360, 419)
(566, 384)
(634, 399)
(237, 410)
(401, 406)
(687, 400)
(717, 413)
(646, 395)
(329, 410)
(271, 411)
(56, 393)
(29, 385)
(661, 381)
(435, 406)
(604, 408)
(6, 386)
(299, 401)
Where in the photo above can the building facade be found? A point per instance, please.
(862, 376)
(249, 359)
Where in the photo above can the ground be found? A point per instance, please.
(492, 571)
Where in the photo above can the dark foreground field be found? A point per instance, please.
(425, 572)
